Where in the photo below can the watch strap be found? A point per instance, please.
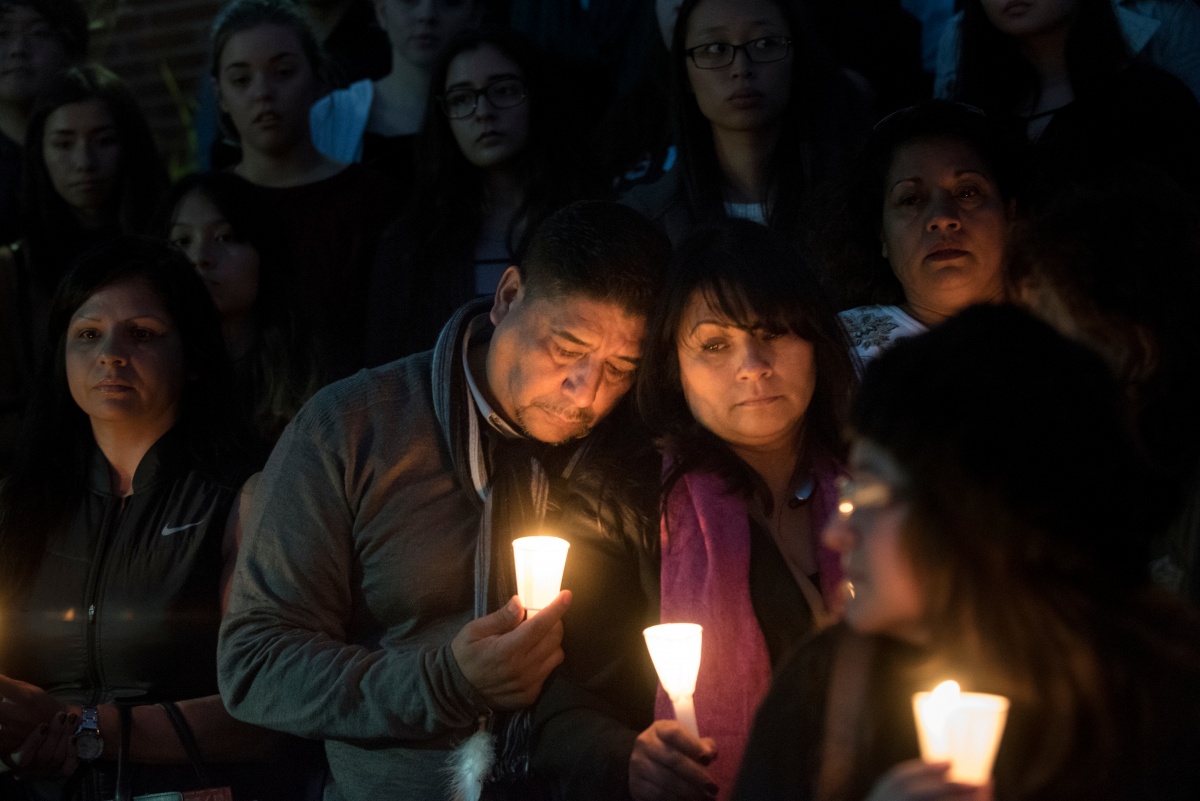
(89, 743)
(89, 718)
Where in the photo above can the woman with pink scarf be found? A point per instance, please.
(746, 378)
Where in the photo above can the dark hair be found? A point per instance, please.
(754, 277)
(600, 250)
(282, 370)
(57, 441)
(846, 217)
(53, 232)
(67, 20)
(1027, 504)
(822, 124)
(639, 121)
(445, 213)
(1119, 255)
(242, 15)
(995, 75)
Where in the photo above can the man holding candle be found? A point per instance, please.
(373, 606)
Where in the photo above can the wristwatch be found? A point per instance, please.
(89, 745)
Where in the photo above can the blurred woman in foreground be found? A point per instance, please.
(984, 543)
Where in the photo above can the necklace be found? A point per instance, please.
(802, 491)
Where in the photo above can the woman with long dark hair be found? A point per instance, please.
(746, 378)
(984, 543)
(761, 116)
(1062, 75)
(119, 534)
(916, 231)
(235, 249)
(91, 172)
(493, 162)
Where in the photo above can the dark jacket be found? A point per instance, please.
(358, 569)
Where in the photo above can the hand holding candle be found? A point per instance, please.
(963, 729)
(540, 562)
(675, 651)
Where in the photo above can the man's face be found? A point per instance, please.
(557, 365)
(30, 54)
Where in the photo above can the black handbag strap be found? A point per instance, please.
(124, 790)
(188, 740)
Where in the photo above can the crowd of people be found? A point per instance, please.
(877, 387)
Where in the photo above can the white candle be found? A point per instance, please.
(540, 562)
(675, 651)
(963, 729)
(685, 714)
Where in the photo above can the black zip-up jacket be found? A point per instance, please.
(126, 602)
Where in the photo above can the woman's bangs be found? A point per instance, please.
(745, 308)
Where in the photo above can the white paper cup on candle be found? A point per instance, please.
(963, 729)
(540, 562)
(675, 651)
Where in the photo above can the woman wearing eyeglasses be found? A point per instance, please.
(492, 162)
(746, 378)
(268, 68)
(762, 116)
(985, 544)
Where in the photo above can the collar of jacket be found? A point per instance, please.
(452, 402)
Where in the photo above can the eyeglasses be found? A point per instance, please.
(458, 104)
(865, 494)
(715, 55)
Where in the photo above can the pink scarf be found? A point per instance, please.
(706, 580)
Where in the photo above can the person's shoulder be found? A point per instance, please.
(875, 326)
(1145, 85)
(371, 397)
(340, 101)
(619, 476)
(654, 200)
(813, 658)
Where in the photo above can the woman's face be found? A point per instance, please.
(750, 388)
(744, 96)
(227, 263)
(885, 597)
(82, 151)
(944, 226)
(266, 84)
(124, 358)
(1029, 17)
(417, 29)
(491, 136)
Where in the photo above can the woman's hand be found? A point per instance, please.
(925, 781)
(668, 763)
(49, 750)
(23, 707)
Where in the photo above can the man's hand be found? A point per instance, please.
(23, 707)
(668, 763)
(920, 781)
(507, 660)
(49, 750)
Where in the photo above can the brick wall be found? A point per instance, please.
(147, 43)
